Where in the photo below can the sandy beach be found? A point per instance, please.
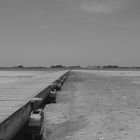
(96, 105)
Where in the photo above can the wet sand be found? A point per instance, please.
(95, 106)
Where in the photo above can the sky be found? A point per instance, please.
(69, 32)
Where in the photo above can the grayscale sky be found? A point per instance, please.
(69, 32)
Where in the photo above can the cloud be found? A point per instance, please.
(102, 6)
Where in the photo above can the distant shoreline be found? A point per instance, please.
(67, 68)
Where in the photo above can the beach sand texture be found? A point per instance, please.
(96, 105)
